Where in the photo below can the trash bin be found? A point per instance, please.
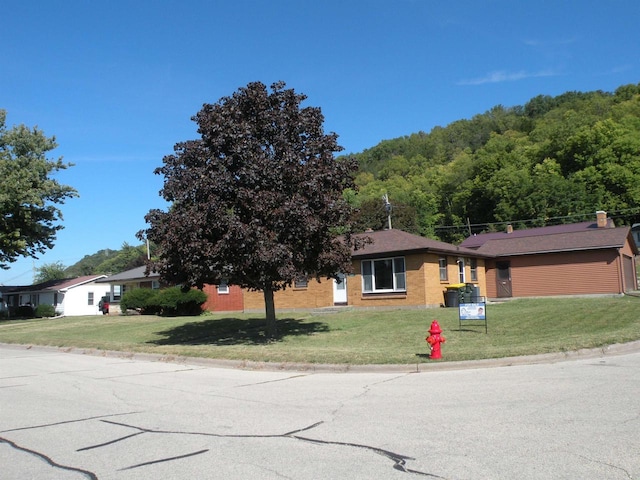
(451, 297)
(466, 292)
(462, 294)
(474, 292)
(453, 294)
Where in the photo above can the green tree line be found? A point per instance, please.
(553, 160)
(107, 261)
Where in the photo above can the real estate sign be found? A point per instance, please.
(473, 311)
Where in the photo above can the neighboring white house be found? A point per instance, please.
(69, 297)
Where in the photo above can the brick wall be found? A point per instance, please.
(223, 302)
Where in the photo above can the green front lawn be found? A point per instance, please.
(517, 327)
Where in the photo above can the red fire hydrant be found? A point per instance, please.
(435, 339)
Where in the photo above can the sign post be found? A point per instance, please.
(476, 311)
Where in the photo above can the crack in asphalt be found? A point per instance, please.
(111, 442)
(399, 460)
(365, 391)
(632, 419)
(153, 462)
(272, 381)
(18, 376)
(66, 421)
(48, 460)
(142, 374)
(616, 467)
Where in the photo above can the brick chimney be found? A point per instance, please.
(601, 219)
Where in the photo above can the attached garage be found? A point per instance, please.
(575, 259)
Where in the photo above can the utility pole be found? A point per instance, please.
(388, 208)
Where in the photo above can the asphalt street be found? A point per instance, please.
(65, 415)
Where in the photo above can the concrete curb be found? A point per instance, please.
(434, 366)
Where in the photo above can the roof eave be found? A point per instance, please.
(563, 250)
(464, 253)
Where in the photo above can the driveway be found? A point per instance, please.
(70, 416)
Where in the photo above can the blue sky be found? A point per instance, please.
(117, 82)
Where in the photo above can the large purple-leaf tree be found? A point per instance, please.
(257, 200)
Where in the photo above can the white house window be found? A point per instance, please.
(444, 276)
(223, 288)
(461, 277)
(90, 298)
(384, 276)
(474, 269)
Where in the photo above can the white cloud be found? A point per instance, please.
(505, 76)
(532, 42)
(621, 68)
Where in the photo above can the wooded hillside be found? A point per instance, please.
(553, 160)
(108, 261)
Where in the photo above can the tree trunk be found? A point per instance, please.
(270, 310)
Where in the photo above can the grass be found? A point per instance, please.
(517, 327)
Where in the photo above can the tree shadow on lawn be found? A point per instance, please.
(235, 331)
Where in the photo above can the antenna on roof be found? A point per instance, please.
(388, 207)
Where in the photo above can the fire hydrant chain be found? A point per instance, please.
(435, 339)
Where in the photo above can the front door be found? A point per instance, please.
(503, 279)
(629, 274)
(340, 290)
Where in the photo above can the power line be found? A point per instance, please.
(615, 213)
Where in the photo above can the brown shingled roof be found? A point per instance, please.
(480, 239)
(387, 242)
(587, 239)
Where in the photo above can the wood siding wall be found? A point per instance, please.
(570, 273)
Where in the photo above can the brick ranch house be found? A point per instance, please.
(584, 258)
(220, 298)
(398, 269)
